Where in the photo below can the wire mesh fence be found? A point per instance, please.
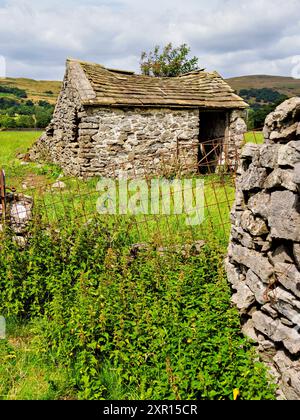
(155, 204)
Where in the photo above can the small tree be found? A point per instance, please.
(171, 62)
(25, 121)
(43, 117)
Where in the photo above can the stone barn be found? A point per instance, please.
(109, 122)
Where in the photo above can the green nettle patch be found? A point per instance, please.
(128, 327)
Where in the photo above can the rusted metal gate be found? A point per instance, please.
(6, 196)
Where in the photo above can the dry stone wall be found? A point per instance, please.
(263, 263)
(237, 130)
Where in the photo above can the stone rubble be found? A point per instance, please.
(59, 185)
(263, 263)
(19, 210)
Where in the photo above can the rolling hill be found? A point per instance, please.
(37, 90)
(26, 103)
(284, 85)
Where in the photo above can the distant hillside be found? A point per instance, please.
(284, 85)
(264, 93)
(26, 103)
(36, 90)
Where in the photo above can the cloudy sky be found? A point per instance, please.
(235, 37)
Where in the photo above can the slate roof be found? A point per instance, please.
(101, 86)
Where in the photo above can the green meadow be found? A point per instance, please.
(14, 142)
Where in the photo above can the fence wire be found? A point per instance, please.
(50, 202)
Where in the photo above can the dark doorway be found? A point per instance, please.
(213, 127)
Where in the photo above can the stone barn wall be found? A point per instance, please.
(113, 141)
(263, 263)
(59, 143)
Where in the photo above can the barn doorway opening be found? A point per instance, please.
(213, 131)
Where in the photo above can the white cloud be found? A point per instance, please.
(232, 36)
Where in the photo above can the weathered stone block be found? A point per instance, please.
(88, 125)
(257, 287)
(290, 371)
(297, 174)
(289, 155)
(233, 273)
(281, 120)
(284, 216)
(277, 332)
(281, 255)
(250, 150)
(287, 305)
(254, 260)
(253, 179)
(259, 204)
(281, 178)
(267, 308)
(249, 331)
(255, 226)
(289, 276)
(286, 134)
(244, 298)
(268, 155)
(296, 252)
(243, 237)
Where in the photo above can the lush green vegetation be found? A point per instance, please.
(89, 319)
(25, 372)
(262, 102)
(264, 95)
(20, 93)
(14, 143)
(123, 326)
(258, 114)
(284, 85)
(26, 103)
(20, 113)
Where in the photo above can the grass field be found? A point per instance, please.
(25, 373)
(14, 142)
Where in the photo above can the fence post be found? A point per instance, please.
(3, 194)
